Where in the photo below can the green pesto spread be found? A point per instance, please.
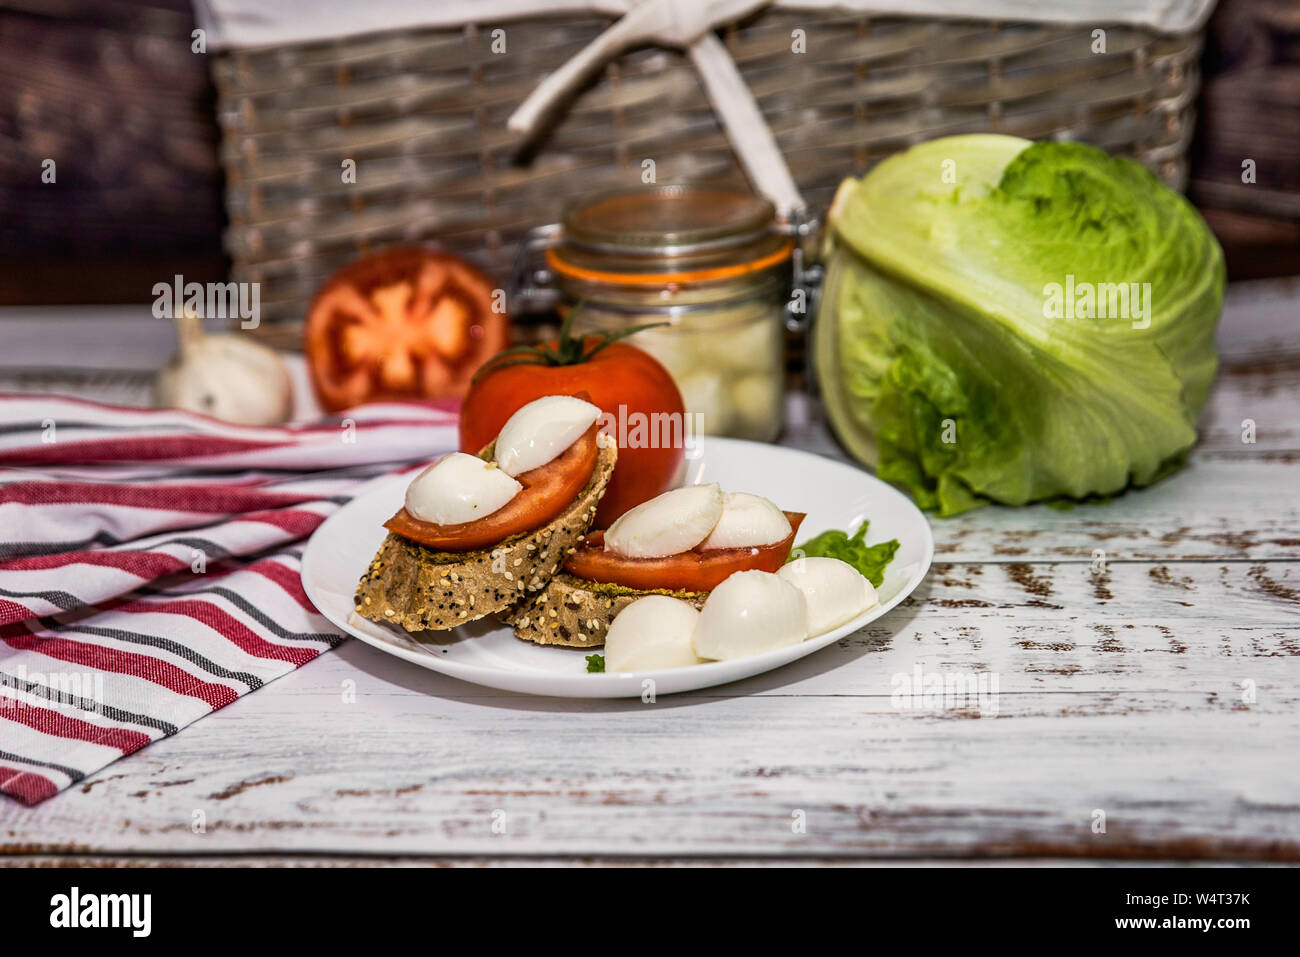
(611, 590)
(429, 556)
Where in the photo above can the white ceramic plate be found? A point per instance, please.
(834, 494)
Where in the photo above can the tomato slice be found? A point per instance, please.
(690, 571)
(547, 491)
(404, 323)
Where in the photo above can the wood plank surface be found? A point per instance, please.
(1140, 662)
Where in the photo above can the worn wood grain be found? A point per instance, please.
(695, 778)
(1111, 696)
(1217, 508)
(1252, 408)
(1146, 654)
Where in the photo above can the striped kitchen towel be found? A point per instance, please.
(149, 566)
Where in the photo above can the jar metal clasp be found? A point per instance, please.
(532, 284)
(806, 272)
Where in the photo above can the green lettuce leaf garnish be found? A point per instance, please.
(870, 560)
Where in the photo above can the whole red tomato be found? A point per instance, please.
(621, 379)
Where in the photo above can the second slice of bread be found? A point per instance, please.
(577, 613)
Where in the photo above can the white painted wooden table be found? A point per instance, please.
(1147, 653)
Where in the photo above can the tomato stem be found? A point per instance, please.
(568, 350)
(611, 337)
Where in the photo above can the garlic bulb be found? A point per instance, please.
(228, 377)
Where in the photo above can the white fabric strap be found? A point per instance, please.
(684, 24)
(233, 24)
(751, 137)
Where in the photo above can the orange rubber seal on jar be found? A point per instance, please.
(655, 279)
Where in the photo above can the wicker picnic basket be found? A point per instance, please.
(423, 115)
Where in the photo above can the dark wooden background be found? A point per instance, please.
(111, 91)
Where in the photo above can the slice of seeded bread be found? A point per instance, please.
(576, 612)
(423, 589)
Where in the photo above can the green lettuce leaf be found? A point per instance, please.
(870, 560)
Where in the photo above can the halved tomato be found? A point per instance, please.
(547, 491)
(404, 323)
(690, 571)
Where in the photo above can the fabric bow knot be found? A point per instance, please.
(689, 25)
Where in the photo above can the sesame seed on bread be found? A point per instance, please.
(577, 613)
(420, 588)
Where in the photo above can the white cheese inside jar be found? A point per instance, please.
(712, 265)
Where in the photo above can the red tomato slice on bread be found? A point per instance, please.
(547, 491)
(690, 571)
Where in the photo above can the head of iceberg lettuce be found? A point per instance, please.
(1007, 321)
